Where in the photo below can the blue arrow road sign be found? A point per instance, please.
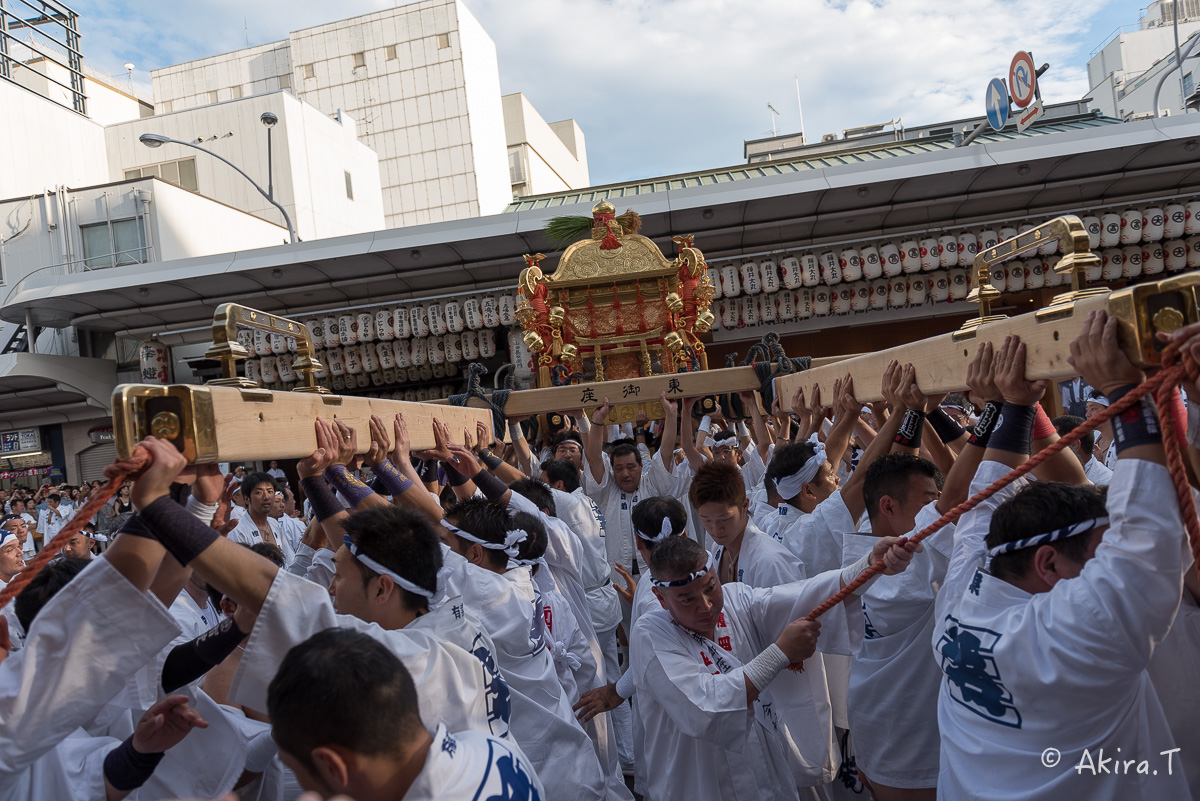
(997, 104)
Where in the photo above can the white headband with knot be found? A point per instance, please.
(790, 486)
(511, 539)
(400, 580)
(667, 530)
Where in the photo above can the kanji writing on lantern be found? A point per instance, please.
(630, 389)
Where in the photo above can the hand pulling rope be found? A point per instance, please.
(1174, 370)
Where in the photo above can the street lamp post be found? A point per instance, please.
(269, 120)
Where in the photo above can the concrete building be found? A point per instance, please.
(542, 158)
(1128, 68)
(423, 80)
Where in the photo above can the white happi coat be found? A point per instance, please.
(703, 741)
(582, 516)
(247, 533)
(542, 721)
(801, 698)
(892, 698)
(451, 661)
(616, 508)
(1063, 669)
(71, 664)
(471, 766)
(1174, 669)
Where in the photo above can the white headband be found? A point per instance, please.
(401, 582)
(1050, 536)
(509, 546)
(1100, 399)
(790, 486)
(688, 579)
(5, 536)
(667, 530)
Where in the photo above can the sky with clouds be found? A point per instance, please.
(669, 86)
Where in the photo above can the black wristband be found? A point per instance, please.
(982, 432)
(1014, 429)
(489, 485)
(944, 425)
(639, 432)
(911, 427)
(190, 660)
(490, 460)
(134, 526)
(126, 769)
(320, 496)
(1137, 425)
(453, 477)
(178, 530)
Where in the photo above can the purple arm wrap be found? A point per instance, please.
(395, 481)
(347, 485)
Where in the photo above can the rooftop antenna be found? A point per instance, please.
(246, 27)
(800, 108)
(774, 114)
(129, 71)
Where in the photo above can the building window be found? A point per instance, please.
(182, 173)
(236, 92)
(166, 106)
(113, 245)
(443, 41)
(285, 81)
(516, 166)
(310, 71)
(349, 187)
(389, 52)
(360, 60)
(212, 96)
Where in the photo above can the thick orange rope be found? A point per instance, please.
(117, 473)
(1174, 370)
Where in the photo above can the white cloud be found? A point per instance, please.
(663, 87)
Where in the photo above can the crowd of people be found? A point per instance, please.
(610, 612)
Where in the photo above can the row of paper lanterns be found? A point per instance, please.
(915, 255)
(948, 285)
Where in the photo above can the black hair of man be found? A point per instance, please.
(570, 435)
(265, 549)
(44, 586)
(252, 480)
(891, 475)
(624, 447)
(487, 520)
(958, 401)
(727, 434)
(675, 557)
(648, 516)
(563, 470)
(534, 545)
(447, 498)
(1067, 423)
(1039, 508)
(787, 461)
(402, 540)
(537, 492)
(8, 519)
(54, 496)
(367, 702)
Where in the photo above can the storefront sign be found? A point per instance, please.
(25, 440)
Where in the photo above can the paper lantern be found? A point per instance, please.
(418, 320)
(790, 269)
(283, 365)
(378, 379)
(402, 353)
(810, 270)
(999, 277)
(748, 310)
(437, 323)
(389, 375)
(1095, 271)
(454, 316)
(840, 300)
(714, 277)
(1112, 262)
(930, 253)
(489, 309)
(1132, 266)
(727, 311)
(891, 259)
(1051, 277)
(384, 330)
(365, 326)
(472, 314)
(822, 301)
(786, 303)
(402, 323)
(748, 272)
(347, 330)
(335, 361)
(338, 382)
(767, 311)
(1093, 226)
(453, 345)
(1015, 281)
(420, 351)
(872, 267)
(918, 290)
(947, 250)
(353, 358)
(831, 269)
(1191, 223)
(269, 368)
(368, 357)
(323, 370)
(262, 342)
(731, 283)
(1153, 258)
(245, 338)
(384, 355)
(910, 257)
(414, 374)
(1174, 218)
(879, 294)
(958, 284)
(522, 357)
(1035, 273)
(487, 344)
(1110, 230)
(1131, 227)
(968, 246)
(361, 380)
(939, 286)
(898, 292)
(860, 300)
(506, 309)
(768, 275)
(1176, 255)
(251, 371)
(314, 329)
(1048, 247)
(988, 238)
(851, 263)
(1154, 224)
(470, 345)
(804, 304)
(436, 346)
